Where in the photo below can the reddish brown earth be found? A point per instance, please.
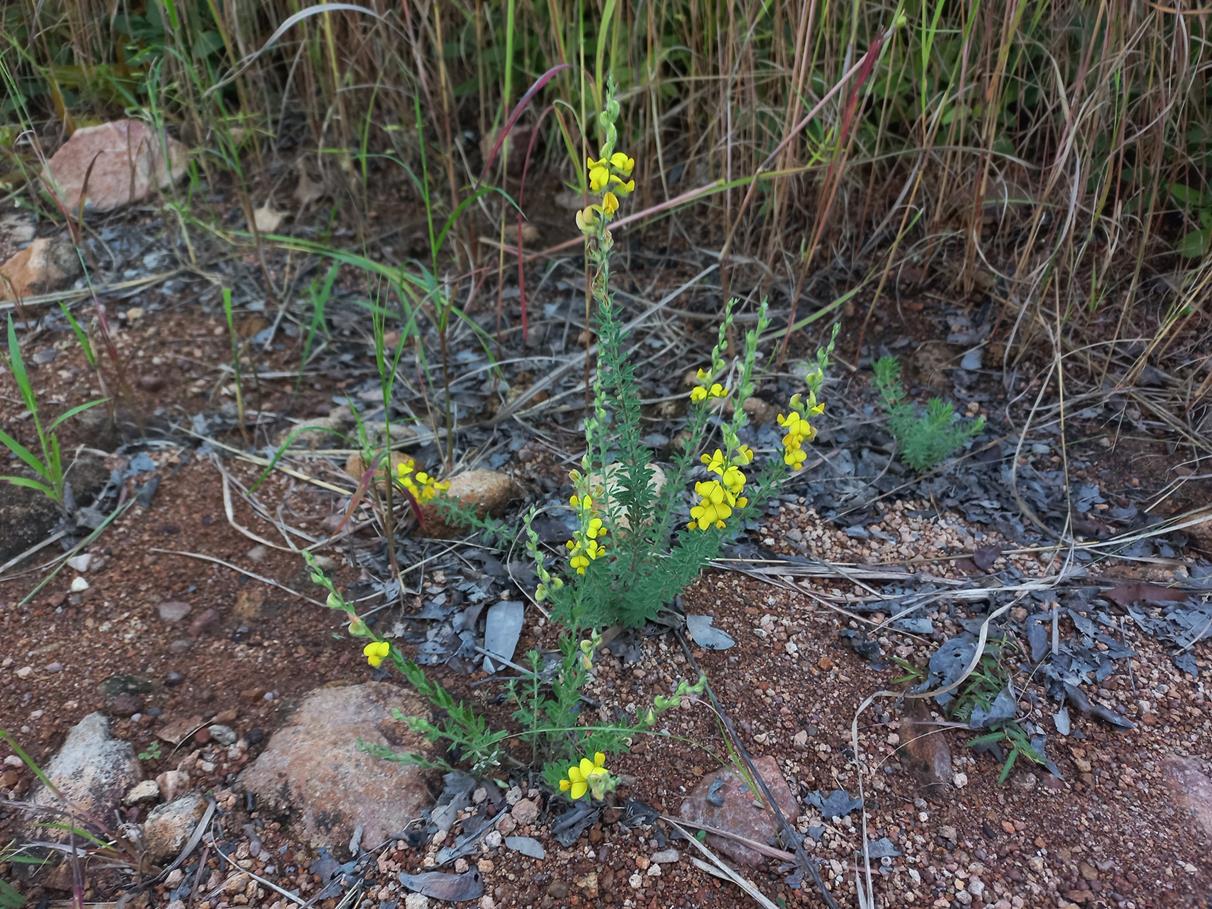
(1114, 831)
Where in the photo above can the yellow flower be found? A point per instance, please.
(621, 187)
(421, 486)
(622, 163)
(733, 479)
(610, 204)
(698, 393)
(599, 177)
(718, 391)
(586, 776)
(587, 219)
(376, 652)
(716, 462)
(743, 456)
(715, 505)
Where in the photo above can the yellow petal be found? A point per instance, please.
(586, 768)
(579, 788)
(565, 785)
(575, 775)
(599, 758)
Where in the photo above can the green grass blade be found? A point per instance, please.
(31, 460)
(74, 411)
(27, 483)
(17, 365)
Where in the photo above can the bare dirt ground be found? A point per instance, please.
(1121, 822)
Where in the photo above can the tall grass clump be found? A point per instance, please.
(1050, 155)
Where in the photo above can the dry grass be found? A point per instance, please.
(1029, 149)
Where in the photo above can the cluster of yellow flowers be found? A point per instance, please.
(706, 388)
(798, 428)
(587, 776)
(719, 498)
(420, 485)
(610, 177)
(584, 546)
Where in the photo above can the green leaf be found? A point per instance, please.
(74, 411)
(1187, 196)
(17, 365)
(31, 460)
(27, 483)
(1195, 244)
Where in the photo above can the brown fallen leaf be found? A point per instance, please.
(1143, 592)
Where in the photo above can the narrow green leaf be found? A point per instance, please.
(31, 460)
(74, 411)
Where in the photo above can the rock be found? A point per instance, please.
(173, 611)
(171, 784)
(588, 884)
(526, 811)
(146, 791)
(80, 563)
(487, 492)
(92, 772)
(416, 901)
(759, 411)
(123, 695)
(667, 856)
(222, 734)
(45, 265)
(168, 827)
(925, 750)
(1189, 780)
(613, 486)
(79, 585)
(204, 623)
(250, 606)
(724, 800)
(112, 165)
(314, 770)
(16, 229)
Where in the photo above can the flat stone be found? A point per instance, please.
(313, 771)
(527, 845)
(173, 611)
(145, 791)
(92, 772)
(1189, 780)
(925, 751)
(172, 783)
(112, 165)
(168, 827)
(724, 800)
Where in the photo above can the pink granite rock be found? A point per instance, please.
(112, 165)
(725, 801)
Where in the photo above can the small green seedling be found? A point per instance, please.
(923, 440)
(47, 464)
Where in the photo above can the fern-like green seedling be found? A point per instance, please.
(923, 440)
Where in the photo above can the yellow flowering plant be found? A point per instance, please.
(657, 544)
(547, 702)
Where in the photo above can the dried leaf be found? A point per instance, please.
(438, 885)
(1143, 592)
(266, 218)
